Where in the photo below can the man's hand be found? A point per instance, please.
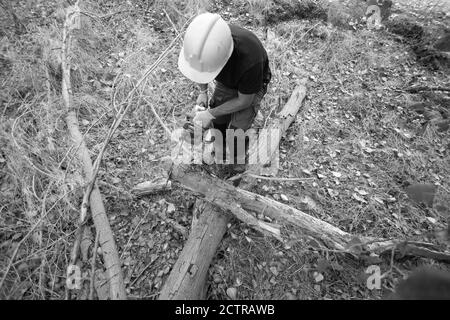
(203, 118)
(202, 99)
(197, 108)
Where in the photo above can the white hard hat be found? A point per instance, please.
(206, 48)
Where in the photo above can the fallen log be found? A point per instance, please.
(267, 146)
(188, 276)
(227, 197)
(98, 212)
(205, 237)
(106, 238)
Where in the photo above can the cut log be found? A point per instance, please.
(269, 138)
(188, 276)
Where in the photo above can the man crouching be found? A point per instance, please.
(237, 62)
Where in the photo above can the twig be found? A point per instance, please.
(424, 88)
(142, 271)
(13, 129)
(268, 116)
(171, 22)
(18, 246)
(275, 178)
(43, 249)
(109, 15)
(306, 32)
(43, 257)
(5, 273)
(158, 118)
(94, 258)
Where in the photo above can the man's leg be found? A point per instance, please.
(241, 160)
(221, 95)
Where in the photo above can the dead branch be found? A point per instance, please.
(424, 88)
(106, 239)
(255, 176)
(107, 243)
(149, 187)
(221, 194)
(228, 198)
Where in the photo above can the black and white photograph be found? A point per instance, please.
(226, 158)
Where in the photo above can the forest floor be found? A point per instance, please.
(359, 142)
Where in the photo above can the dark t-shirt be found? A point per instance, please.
(248, 67)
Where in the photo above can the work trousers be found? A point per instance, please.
(239, 120)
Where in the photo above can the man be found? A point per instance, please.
(236, 60)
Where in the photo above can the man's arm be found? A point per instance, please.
(241, 102)
(203, 95)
